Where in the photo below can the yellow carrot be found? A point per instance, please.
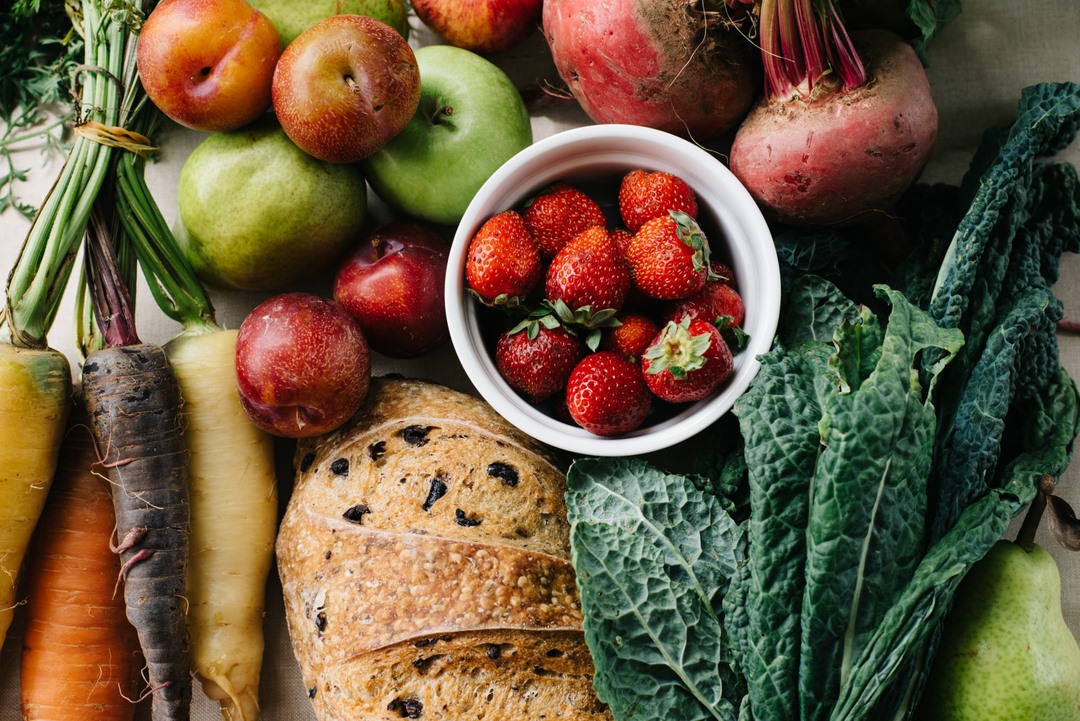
(233, 499)
(35, 401)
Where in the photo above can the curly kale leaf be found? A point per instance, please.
(654, 556)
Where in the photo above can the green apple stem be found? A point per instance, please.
(441, 111)
(1025, 537)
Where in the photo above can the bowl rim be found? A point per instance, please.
(725, 196)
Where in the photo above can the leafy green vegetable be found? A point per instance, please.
(929, 17)
(653, 555)
(881, 459)
(1050, 422)
(779, 415)
(868, 500)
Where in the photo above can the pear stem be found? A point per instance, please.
(1025, 537)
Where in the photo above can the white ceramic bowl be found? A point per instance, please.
(736, 231)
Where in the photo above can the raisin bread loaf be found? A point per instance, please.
(424, 557)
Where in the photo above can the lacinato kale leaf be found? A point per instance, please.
(881, 459)
(867, 505)
(654, 556)
(1049, 422)
(1020, 351)
(1048, 118)
(930, 16)
(779, 417)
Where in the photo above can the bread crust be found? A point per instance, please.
(424, 558)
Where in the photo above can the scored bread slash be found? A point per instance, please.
(436, 571)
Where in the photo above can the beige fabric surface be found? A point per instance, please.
(978, 66)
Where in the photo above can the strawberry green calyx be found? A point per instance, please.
(677, 350)
(536, 318)
(689, 232)
(584, 318)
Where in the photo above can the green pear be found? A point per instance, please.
(258, 213)
(292, 17)
(1006, 653)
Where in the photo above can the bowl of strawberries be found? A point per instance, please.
(610, 288)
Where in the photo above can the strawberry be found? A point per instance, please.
(622, 238)
(558, 214)
(502, 264)
(535, 357)
(606, 394)
(723, 272)
(687, 361)
(588, 271)
(669, 257)
(646, 195)
(717, 302)
(631, 337)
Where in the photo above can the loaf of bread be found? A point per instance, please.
(424, 557)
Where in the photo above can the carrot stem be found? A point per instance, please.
(110, 299)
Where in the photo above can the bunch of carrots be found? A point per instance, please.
(142, 474)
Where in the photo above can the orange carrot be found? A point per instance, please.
(80, 658)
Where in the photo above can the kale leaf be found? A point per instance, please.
(881, 460)
(654, 556)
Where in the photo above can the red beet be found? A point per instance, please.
(658, 63)
(838, 149)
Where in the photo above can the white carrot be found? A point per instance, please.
(233, 499)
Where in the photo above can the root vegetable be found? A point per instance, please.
(682, 66)
(35, 400)
(233, 523)
(133, 407)
(231, 482)
(35, 381)
(80, 654)
(845, 125)
(133, 402)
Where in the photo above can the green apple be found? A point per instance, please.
(470, 121)
(292, 17)
(258, 213)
